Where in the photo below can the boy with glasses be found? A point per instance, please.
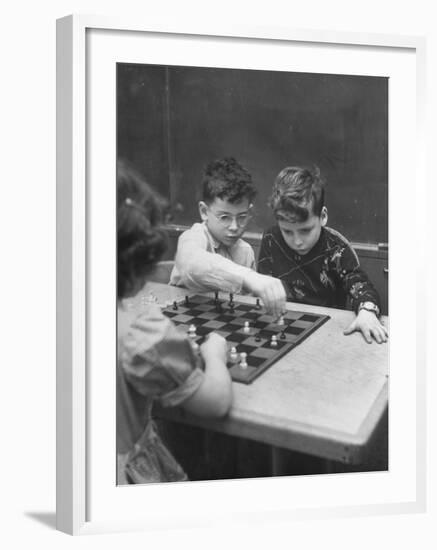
(212, 255)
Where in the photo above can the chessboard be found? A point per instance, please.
(255, 340)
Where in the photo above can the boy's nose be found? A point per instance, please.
(234, 225)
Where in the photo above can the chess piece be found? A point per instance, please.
(175, 305)
(233, 356)
(258, 304)
(243, 360)
(282, 337)
(246, 327)
(231, 299)
(274, 341)
(281, 320)
(192, 331)
(187, 301)
(257, 337)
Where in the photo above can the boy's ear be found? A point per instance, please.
(203, 209)
(324, 216)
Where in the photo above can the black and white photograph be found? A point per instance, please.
(252, 273)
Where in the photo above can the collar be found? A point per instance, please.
(216, 245)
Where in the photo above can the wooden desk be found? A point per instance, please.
(324, 398)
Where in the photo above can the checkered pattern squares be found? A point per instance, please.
(207, 317)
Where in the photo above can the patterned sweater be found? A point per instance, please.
(329, 275)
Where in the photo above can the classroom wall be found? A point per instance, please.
(173, 120)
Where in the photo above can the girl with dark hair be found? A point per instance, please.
(155, 362)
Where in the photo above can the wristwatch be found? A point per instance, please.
(369, 306)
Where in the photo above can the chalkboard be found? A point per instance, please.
(142, 125)
(183, 117)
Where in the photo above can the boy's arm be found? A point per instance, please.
(363, 295)
(354, 280)
(200, 269)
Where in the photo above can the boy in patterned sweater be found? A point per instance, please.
(315, 263)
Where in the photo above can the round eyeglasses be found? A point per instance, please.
(226, 219)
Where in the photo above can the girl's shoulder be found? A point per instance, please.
(138, 331)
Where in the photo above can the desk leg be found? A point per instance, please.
(286, 463)
(329, 466)
(278, 462)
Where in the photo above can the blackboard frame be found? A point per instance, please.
(72, 437)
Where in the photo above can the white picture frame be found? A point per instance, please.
(73, 291)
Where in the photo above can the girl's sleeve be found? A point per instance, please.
(159, 362)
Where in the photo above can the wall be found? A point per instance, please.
(173, 120)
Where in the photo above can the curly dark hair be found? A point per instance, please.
(297, 192)
(141, 240)
(226, 179)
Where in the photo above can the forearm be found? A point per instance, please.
(214, 396)
(360, 289)
(199, 268)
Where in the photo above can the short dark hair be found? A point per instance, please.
(227, 179)
(296, 192)
(141, 240)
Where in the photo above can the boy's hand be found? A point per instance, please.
(215, 346)
(269, 289)
(370, 327)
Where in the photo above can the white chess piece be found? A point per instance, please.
(246, 327)
(192, 331)
(243, 360)
(274, 341)
(233, 356)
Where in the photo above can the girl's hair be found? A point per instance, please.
(227, 179)
(141, 240)
(296, 193)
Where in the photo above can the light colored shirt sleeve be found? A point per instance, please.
(201, 269)
(158, 360)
